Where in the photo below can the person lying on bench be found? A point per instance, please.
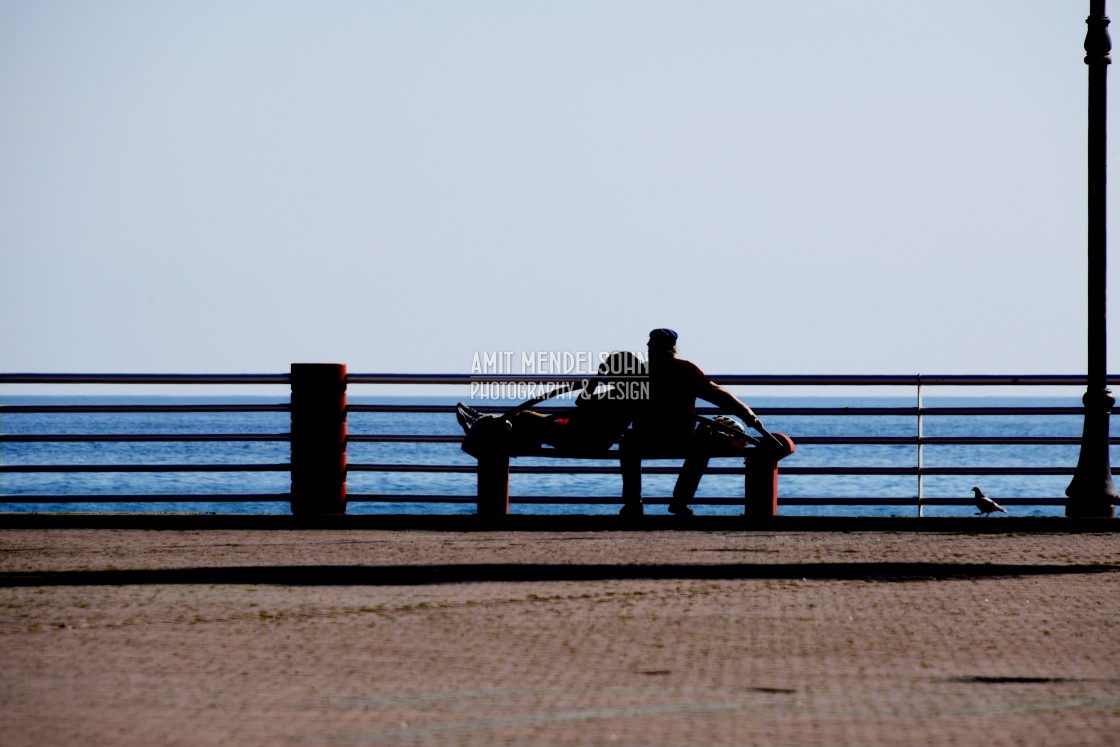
(604, 409)
(666, 423)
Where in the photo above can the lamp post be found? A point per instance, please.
(1091, 492)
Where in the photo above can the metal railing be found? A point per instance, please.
(918, 470)
(7, 410)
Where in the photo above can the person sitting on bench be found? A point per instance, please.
(666, 423)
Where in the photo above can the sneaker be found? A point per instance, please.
(467, 416)
(680, 509)
(632, 510)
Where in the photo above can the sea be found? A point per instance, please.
(405, 492)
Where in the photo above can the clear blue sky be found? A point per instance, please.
(825, 186)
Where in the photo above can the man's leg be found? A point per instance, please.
(689, 478)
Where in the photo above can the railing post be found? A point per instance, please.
(318, 438)
(920, 464)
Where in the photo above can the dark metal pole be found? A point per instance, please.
(1091, 492)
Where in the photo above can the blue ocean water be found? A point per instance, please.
(405, 485)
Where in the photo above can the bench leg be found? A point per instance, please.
(761, 486)
(493, 485)
(630, 465)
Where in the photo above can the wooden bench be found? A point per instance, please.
(760, 472)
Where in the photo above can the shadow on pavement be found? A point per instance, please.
(361, 575)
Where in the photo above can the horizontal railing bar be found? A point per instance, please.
(815, 440)
(703, 501)
(805, 440)
(788, 471)
(12, 409)
(429, 409)
(1024, 471)
(865, 501)
(613, 500)
(1003, 501)
(542, 500)
(943, 440)
(403, 378)
(390, 438)
(471, 469)
(450, 468)
(146, 437)
(907, 380)
(418, 498)
(935, 411)
(141, 378)
(533, 469)
(494, 409)
(818, 440)
(760, 410)
(605, 470)
(915, 411)
(799, 501)
(151, 498)
(10, 468)
(448, 409)
(409, 438)
(904, 380)
(586, 500)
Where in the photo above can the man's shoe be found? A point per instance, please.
(484, 433)
(632, 510)
(468, 416)
(680, 509)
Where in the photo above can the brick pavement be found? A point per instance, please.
(645, 639)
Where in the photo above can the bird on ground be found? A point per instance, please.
(986, 504)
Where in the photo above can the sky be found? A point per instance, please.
(819, 187)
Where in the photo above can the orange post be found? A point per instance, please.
(761, 480)
(318, 438)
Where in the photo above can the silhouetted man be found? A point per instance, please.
(666, 422)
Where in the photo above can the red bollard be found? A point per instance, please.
(761, 480)
(318, 438)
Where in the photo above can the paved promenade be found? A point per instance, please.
(546, 639)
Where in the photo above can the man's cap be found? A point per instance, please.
(662, 337)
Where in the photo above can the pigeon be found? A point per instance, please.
(986, 504)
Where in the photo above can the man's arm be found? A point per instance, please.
(721, 397)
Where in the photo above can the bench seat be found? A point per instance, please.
(760, 471)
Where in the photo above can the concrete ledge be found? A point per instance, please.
(573, 523)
